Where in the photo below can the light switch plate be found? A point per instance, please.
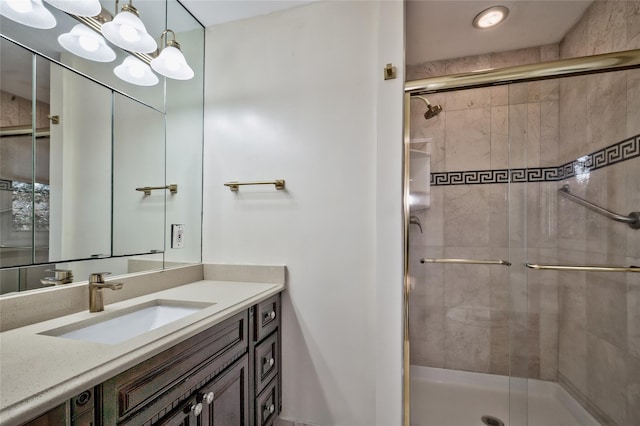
(177, 236)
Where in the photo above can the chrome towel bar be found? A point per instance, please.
(468, 261)
(234, 186)
(585, 268)
(633, 219)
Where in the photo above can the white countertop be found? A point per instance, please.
(39, 372)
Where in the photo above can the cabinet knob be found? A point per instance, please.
(196, 409)
(271, 362)
(272, 408)
(208, 398)
(272, 315)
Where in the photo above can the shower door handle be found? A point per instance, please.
(468, 261)
(584, 268)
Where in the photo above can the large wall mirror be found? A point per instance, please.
(78, 145)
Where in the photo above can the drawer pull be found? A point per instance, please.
(196, 409)
(271, 362)
(271, 408)
(268, 362)
(270, 315)
(208, 398)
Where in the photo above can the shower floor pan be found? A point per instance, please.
(442, 397)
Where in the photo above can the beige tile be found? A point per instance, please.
(633, 23)
(427, 339)
(518, 93)
(573, 118)
(543, 91)
(468, 140)
(633, 390)
(499, 282)
(500, 95)
(432, 219)
(515, 57)
(466, 285)
(499, 342)
(499, 137)
(498, 197)
(467, 211)
(425, 70)
(633, 313)
(607, 27)
(607, 374)
(468, 99)
(533, 134)
(607, 109)
(518, 127)
(467, 339)
(633, 102)
(607, 309)
(632, 190)
(550, 52)
(468, 64)
(574, 43)
(548, 347)
(616, 232)
(572, 220)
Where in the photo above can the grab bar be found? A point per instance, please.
(633, 219)
(586, 268)
(467, 261)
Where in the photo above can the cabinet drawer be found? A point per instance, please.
(148, 390)
(267, 404)
(266, 361)
(267, 317)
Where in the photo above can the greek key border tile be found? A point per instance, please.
(6, 185)
(613, 154)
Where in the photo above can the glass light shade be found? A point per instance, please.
(84, 42)
(490, 17)
(78, 7)
(31, 13)
(171, 63)
(134, 71)
(128, 32)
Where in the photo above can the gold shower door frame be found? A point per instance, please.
(616, 61)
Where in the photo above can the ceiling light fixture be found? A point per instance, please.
(490, 17)
(171, 62)
(128, 32)
(77, 7)
(31, 13)
(134, 71)
(86, 43)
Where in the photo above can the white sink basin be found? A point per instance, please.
(127, 323)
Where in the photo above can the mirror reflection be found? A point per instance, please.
(75, 145)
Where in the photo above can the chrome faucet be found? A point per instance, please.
(60, 276)
(96, 284)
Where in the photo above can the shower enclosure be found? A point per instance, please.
(521, 208)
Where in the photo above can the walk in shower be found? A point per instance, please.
(521, 208)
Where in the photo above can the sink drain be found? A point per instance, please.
(491, 421)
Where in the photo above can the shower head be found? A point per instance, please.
(432, 111)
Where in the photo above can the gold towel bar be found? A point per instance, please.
(584, 268)
(468, 261)
(234, 186)
(173, 188)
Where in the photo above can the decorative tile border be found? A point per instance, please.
(621, 151)
(6, 185)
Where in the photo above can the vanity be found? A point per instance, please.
(216, 362)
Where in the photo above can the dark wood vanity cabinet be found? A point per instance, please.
(227, 375)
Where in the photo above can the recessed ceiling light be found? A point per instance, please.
(490, 17)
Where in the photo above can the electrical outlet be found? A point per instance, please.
(177, 236)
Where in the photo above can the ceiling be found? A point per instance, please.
(443, 29)
(437, 29)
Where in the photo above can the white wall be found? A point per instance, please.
(298, 95)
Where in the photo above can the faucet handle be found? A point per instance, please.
(98, 277)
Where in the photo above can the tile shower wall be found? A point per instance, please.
(599, 315)
(583, 329)
(460, 314)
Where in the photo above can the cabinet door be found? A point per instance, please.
(182, 417)
(226, 399)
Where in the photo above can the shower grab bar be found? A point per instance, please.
(585, 268)
(234, 186)
(633, 219)
(468, 261)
